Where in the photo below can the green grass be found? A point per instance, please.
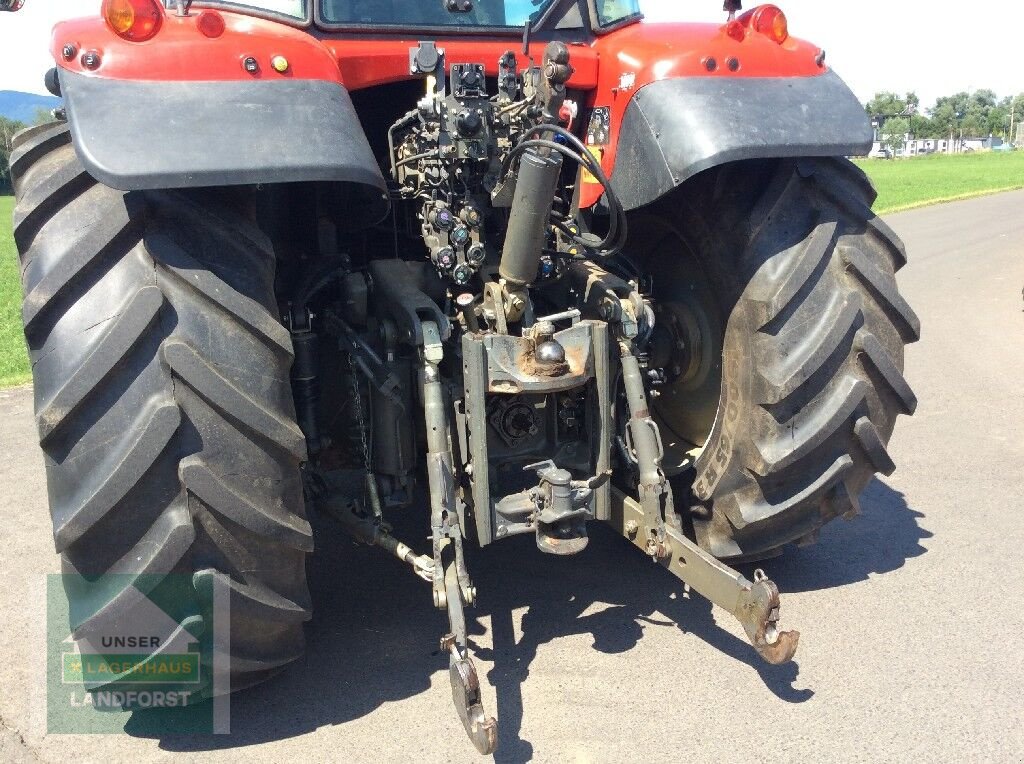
(902, 184)
(907, 183)
(14, 368)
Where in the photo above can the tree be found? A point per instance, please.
(890, 104)
(894, 134)
(984, 98)
(998, 121)
(8, 127)
(923, 127)
(949, 112)
(981, 113)
(42, 116)
(886, 104)
(944, 119)
(977, 114)
(975, 123)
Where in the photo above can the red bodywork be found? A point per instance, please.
(608, 70)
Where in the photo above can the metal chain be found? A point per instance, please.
(358, 397)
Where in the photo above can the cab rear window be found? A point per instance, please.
(431, 13)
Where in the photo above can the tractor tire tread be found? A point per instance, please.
(163, 404)
(813, 363)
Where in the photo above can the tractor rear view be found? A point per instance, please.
(512, 267)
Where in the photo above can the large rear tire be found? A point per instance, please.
(163, 406)
(808, 370)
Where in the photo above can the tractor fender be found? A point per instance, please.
(675, 128)
(154, 118)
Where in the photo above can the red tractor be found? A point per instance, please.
(513, 265)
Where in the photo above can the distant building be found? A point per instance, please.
(913, 147)
(919, 146)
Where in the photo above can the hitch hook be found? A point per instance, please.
(759, 616)
(481, 729)
(755, 604)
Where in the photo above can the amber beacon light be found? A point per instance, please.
(134, 20)
(770, 21)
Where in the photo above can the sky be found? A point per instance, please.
(935, 47)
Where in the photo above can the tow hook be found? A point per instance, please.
(761, 620)
(481, 729)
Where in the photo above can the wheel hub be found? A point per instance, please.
(685, 348)
(677, 346)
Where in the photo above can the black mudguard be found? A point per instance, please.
(137, 135)
(674, 129)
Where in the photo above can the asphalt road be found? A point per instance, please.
(911, 616)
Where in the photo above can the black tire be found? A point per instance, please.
(163, 405)
(811, 371)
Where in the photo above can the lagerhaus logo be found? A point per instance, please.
(135, 656)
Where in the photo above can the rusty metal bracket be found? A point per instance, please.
(755, 604)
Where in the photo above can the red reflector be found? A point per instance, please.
(735, 30)
(211, 23)
(134, 20)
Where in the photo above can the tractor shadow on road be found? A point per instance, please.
(880, 540)
(374, 637)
